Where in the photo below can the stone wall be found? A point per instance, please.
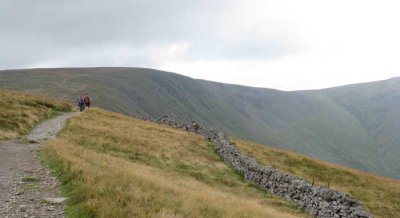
(317, 200)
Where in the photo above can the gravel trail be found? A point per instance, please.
(27, 189)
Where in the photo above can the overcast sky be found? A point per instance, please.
(283, 44)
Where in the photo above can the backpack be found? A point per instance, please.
(87, 99)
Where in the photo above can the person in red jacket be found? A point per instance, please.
(87, 100)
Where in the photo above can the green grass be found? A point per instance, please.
(31, 182)
(72, 187)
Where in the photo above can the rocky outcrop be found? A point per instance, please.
(317, 200)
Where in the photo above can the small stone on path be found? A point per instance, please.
(55, 200)
(22, 208)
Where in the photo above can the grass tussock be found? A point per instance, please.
(20, 112)
(381, 195)
(115, 166)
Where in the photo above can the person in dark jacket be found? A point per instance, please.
(81, 103)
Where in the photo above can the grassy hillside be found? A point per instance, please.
(316, 123)
(381, 195)
(377, 107)
(19, 112)
(115, 166)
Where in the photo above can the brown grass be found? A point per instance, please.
(115, 166)
(20, 112)
(381, 195)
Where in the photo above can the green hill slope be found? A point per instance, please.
(115, 166)
(377, 107)
(317, 123)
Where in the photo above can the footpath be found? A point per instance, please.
(27, 189)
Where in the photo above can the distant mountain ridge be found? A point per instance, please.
(354, 125)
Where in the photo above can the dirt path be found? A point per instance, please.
(24, 182)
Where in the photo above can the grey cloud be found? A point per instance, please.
(40, 31)
(248, 49)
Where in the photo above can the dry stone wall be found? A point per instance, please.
(317, 200)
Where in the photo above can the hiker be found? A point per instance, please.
(87, 100)
(81, 103)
